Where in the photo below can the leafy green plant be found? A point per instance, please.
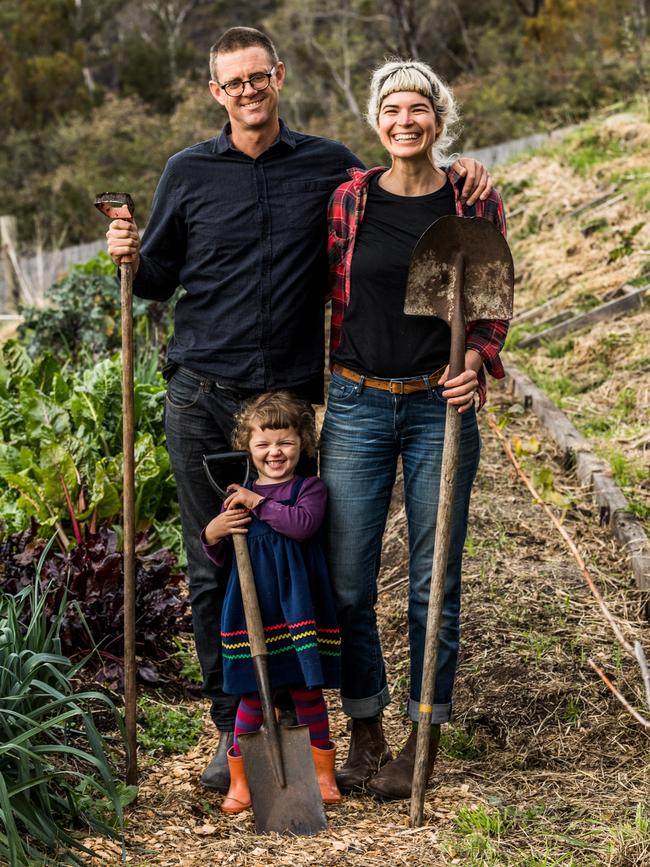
(61, 445)
(168, 729)
(82, 319)
(189, 668)
(55, 773)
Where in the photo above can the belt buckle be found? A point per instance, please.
(397, 386)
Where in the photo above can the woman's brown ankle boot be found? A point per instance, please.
(324, 764)
(239, 796)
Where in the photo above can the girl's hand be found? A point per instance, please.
(228, 523)
(241, 498)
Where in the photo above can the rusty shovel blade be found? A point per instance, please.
(488, 284)
(295, 808)
(115, 206)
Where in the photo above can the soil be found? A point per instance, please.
(541, 764)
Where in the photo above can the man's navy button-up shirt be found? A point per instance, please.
(247, 240)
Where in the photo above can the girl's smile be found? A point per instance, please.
(275, 454)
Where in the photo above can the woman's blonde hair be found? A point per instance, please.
(276, 410)
(398, 75)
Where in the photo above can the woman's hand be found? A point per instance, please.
(460, 390)
(242, 498)
(228, 523)
(478, 183)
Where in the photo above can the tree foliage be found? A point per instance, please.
(114, 88)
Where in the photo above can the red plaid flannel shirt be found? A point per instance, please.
(346, 209)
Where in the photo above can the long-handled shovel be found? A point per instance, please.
(461, 270)
(278, 760)
(120, 206)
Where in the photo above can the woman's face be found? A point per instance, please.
(407, 125)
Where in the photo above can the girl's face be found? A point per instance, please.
(407, 124)
(275, 453)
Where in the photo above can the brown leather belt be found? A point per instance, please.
(395, 386)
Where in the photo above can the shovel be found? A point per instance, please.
(120, 206)
(278, 761)
(461, 270)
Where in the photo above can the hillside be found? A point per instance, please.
(579, 232)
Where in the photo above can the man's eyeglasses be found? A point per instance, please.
(258, 81)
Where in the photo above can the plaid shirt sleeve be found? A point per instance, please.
(340, 218)
(486, 336)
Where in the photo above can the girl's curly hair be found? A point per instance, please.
(276, 410)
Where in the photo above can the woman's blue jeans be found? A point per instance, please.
(364, 432)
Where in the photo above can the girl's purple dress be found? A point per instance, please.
(294, 592)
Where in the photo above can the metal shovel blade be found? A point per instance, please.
(489, 271)
(296, 808)
(115, 206)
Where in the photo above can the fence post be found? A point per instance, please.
(8, 239)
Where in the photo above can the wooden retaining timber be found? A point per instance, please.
(630, 298)
(592, 472)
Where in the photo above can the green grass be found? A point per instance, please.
(461, 742)
(558, 348)
(589, 148)
(168, 729)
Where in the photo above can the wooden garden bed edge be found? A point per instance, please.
(592, 472)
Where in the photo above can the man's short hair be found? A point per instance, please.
(240, 37)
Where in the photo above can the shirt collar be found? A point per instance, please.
(222, 142)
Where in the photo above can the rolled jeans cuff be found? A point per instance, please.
(441, 713)
(362, 708)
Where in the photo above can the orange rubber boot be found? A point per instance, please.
(239, 796)
(324, 764)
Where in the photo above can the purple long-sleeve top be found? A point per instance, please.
(298, 522)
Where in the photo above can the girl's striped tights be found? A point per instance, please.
(311, 711)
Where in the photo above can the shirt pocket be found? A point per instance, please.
(306, 201)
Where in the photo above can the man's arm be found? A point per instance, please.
(157, 266)
(478, 183)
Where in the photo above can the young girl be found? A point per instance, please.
(281, 513)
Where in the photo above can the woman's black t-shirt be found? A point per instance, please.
(378, 338)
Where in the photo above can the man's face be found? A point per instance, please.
(253, 109)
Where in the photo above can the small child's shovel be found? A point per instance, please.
(278, 760)
(461, 270)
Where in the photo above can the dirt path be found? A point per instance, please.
(540, 766)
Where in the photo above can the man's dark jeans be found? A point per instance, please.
(199, 419)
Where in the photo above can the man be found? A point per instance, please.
(240, 222)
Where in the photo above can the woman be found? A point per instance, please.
(388, 397)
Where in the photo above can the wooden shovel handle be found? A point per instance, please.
(249, 596)
(258, 653)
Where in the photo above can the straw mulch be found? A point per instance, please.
(540, 766)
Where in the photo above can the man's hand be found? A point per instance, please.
(124, 243)
(478, 183)
(228, 523)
